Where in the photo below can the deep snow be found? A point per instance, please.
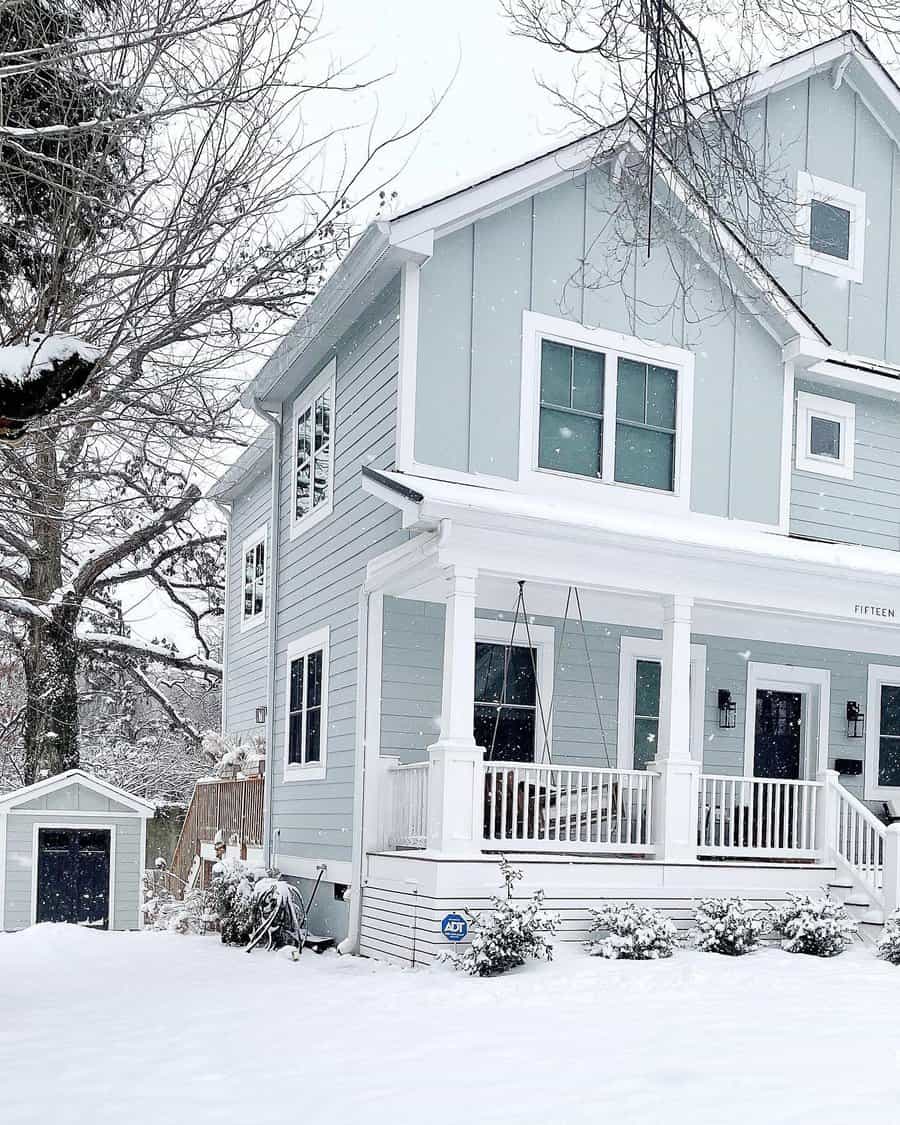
(150, 1027)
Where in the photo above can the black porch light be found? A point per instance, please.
(727, 710)
(260, 715)
(856, 720)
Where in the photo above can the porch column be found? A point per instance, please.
(455, 777)
(675, 796)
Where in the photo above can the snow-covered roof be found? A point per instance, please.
(77, 777)
(255, 459)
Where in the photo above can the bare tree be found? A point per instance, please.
(184, 221)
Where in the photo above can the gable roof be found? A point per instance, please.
(77, 777)
(255, 459)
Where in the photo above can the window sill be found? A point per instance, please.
(250, 623)
(309, 521)
(824, 467)
(303, 773)
(825, 263)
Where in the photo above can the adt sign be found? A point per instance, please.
(454, 927)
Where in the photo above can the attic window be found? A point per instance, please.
(831, 227)
(825, 435)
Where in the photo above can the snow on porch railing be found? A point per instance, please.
(408, 803)
(563, 809)
(757, 816)
(859, 840)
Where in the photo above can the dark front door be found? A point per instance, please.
(776, 751)
(73, 876)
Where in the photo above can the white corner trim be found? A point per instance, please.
(537, 327)
(259, 536)
(811, 406)
(810, 188)
(303, 646)
(787, 445)
(325, 378)
(60, 821)
(792, 678)
(633, 649)
(878, 675)
(404, 455)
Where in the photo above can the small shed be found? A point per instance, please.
(72, 850)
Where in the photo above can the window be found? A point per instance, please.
(505, 701)
(826, 435)
(610, 409)
(313, 436)
(831, 227)
(883, 733)
(253, 579)
(646, 712)
(305, 719)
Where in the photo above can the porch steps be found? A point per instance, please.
(868, 917)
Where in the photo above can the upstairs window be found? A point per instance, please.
(313, 435)
(253, 579)
(307, 661)
(831, 226)
(826, 435)
(571, 423)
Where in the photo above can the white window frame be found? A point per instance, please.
(538, 327)
(811, 188)
(260, 536)
(543, 638)
(326, 378)
(802, 681)
(633, 649)
(878, 675)
(811, 406)
(303, 646)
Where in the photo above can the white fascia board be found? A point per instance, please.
(60, 781)
(255, 460)
(856, 372)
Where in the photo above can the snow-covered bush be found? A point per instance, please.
(889, 942)
(253, 905)
(163, 910)
(632, 933)
(513, 933)
(818, 926)
(231, 755)
(726, 925)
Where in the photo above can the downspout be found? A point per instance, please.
(275, 425)
(226, 509)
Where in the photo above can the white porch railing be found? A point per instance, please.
(408, 827)
(567, 809)
(757, 817)
(859, 840)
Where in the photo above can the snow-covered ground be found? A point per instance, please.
(147, 1027)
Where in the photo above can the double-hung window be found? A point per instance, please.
(831, 227)
(610, 408)
(253, 579)
(882, 721)
(313, 451)
(306, 707)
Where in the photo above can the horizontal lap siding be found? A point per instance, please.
(320, 576)
(245, 673)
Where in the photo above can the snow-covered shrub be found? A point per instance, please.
(818, 926)
(253, 905)
(512, 933)
(165, 911)
(231, 755)
(632, 933)
(889, 942)
(726, 925)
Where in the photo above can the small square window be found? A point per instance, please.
(825, 435)
(829, 229)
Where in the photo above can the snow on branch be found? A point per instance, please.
(146, 650)
(21, 363)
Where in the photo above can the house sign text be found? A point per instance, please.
(885, 611)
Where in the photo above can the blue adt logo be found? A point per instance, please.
(454, 927)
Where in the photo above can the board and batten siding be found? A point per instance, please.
(247, 649)
(551, 254)
(411, 691)
(320, 574)
(863, 510)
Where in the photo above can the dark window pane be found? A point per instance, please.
(313, 734)
(646, 732)
(488, 672)
(520, 685)
(646, 692)
(661, 397)
(514, 733)
(259, 581)
(297, 684)
(889, 761)
(645, 457)
(295, 734)
(314, 679)
(556, 373)
(587, 381)
(824, 437)
(829, 229)
(631, 390)
(890, 710)
(569, 443)
(489, 667)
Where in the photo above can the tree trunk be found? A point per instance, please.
(51, 709)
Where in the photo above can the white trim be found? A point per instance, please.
(60, 781)
(810, 188)
(142, 867)
(787, 448)
(632, 649)
(324, 380)
(811, 406)
(4, 828)
(299, 867)
(303, 646)
(260, 536)
(408, 359)
(76, 825)
(878, 675)
(805, 682)
(537, 327)
(543, 638)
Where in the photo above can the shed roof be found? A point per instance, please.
(48, 785)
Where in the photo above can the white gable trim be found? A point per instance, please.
(71, 777)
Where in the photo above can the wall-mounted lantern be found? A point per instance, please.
(856, 720)
(727, 710)
(260, 715)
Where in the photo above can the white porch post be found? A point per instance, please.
(455, 778)
(675, 791)
(891, 870)
(827, 814)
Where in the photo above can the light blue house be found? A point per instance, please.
(529, 561)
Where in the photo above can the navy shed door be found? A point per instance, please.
(73, 876)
